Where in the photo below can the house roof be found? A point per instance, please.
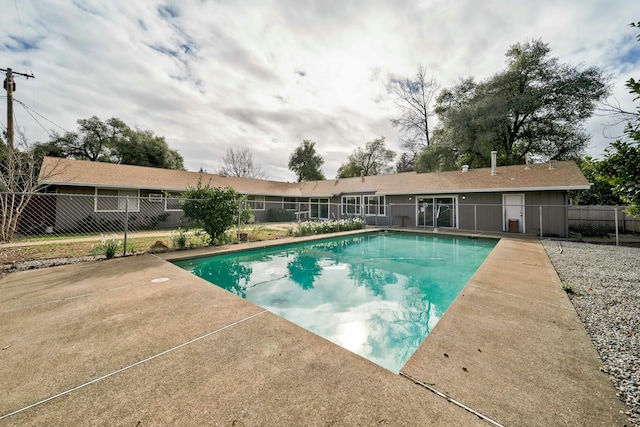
(560, 176)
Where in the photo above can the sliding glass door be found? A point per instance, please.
(436, 211)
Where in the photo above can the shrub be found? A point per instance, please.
(108, 246)
(212, 208)
(331, 226)
(280, 215)
(179, 239)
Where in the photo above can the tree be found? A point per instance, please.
(112, 141)
(239, 162)
(212, 208)
(619, 172)
(143, 148)
(374, 159)
(621, 164)
(20, 177)
(94, 141)
(306, 163)
(621, 168)
(614, 110)
(436, 157)
(414, 97)
(406, 163)
(537, 105)
(601, 192)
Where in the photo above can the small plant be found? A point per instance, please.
(569, 288)
(179, 239)
(131, 249)
(255, 233)
(225, 238)
(331, 226)
(109, 246)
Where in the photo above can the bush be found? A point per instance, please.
(331, 226)
(280, 215)
(213, 209)
(179, 239)
(108, 246)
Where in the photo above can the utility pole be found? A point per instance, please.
(10, 87)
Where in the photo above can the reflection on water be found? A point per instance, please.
(377, 295)
(303, 269)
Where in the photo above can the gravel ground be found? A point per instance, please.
(606, 295)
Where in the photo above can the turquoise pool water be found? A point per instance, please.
(377, 294)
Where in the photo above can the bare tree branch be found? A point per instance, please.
(414, 97)
(239, 162)
(20, 178)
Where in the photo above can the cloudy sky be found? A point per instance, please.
(266, 75)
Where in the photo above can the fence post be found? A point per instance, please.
(540, 222)
(126, 224)
(615, 217)
(240, 209)
(475, 218)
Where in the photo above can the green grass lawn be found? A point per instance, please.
(84, 244)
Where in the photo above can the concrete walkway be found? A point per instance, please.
(138, 341)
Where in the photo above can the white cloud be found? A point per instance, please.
(266, 75)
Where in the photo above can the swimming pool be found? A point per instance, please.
(375, 294)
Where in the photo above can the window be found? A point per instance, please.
(108, 200)
(155, 197)
(374, 205)
(289, 203)
(256, 203)
(351, 205)
(173, 202)
(319, 208)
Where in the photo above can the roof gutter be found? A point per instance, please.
(484, 190)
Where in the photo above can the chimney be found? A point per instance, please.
(465, 168)
(494, 160)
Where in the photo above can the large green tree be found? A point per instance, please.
(143, 148)
(373, 159)
(112, 141)
(621, 167)
(537, 105)
(306, 162)
(601, 191)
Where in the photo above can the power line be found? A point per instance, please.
(34, 111)
(34, 118)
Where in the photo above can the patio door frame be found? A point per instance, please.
(513, 210)
(453, 206)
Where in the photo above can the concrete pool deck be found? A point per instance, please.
(139, 341)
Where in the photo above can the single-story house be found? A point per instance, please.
(501, 198)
